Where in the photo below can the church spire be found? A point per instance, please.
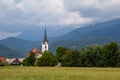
(45, 37)
(45, 44)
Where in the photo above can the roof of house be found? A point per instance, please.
(2, 59)
(12, 60)
(36, 51)
(21, 59)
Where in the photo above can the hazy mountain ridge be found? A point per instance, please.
(101, 33)
(108, 29)
(21, 46)
(7, 52)
(37, 33)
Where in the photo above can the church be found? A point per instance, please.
(45, 46)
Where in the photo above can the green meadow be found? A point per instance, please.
(58, 73)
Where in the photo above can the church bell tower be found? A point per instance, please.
(45, 42)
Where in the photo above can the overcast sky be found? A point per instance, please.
(16, 15)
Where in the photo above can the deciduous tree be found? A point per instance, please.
(30, 60)
(47, 59)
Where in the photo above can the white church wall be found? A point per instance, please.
(44, 46)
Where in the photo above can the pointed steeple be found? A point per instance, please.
(45, 45)
(45, 37)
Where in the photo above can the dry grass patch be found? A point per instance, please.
(58, 73)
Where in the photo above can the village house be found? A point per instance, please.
(14, 61)
(11, 61)
(37, 53)
(2, 59)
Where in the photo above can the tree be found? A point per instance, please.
(71, 58)
(47, 59)
(67, 58)
(118, 59)
(1, 64)
(90, 56)
(60, 51)
(110, 55)
(30, 60)
(75, 57)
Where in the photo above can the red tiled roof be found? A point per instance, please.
(36, 51)
(2, 59)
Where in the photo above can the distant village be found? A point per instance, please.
(38, 53)
(90, 56)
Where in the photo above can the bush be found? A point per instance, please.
(47, 59)
(30, 60)
(1, 64)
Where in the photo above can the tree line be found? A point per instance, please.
(89, 56)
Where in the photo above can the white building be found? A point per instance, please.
(37, 53)
(45, 45)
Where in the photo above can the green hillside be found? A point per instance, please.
(7, 52)
(109, 29)
(21, 46)
(100, 33)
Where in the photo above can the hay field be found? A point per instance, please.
(58, 73)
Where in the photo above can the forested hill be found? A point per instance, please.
(100, 33)
(108, 29)
(21, 46)
(7, 52)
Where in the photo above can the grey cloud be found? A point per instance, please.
(17, 1)
(104, 9)
(19, 15)
(4, 35)
(51, 12)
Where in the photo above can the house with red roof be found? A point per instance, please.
(2, 59)
(37, 53)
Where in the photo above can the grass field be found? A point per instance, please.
(58, 73)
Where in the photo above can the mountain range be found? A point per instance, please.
(7, 52)
(108, 29)
(37, 33)
(21, 46)
(100, 33)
